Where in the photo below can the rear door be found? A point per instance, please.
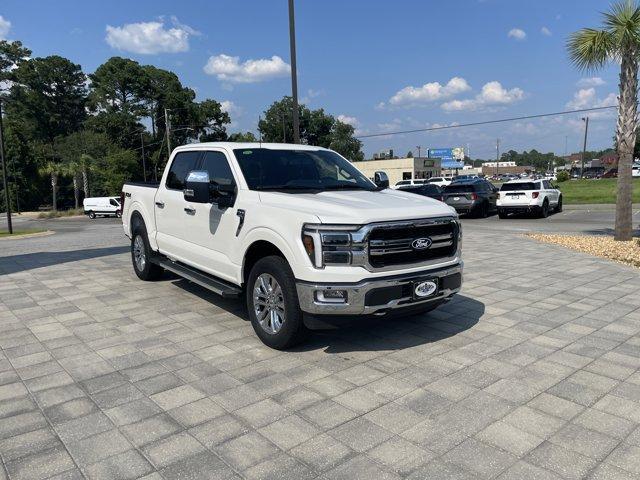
(172, 236)
(551, 192)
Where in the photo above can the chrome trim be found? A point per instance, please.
(359, 245)
(356, 293)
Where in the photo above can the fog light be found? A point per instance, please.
(331, 296)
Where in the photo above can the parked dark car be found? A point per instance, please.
(611, 173)
(476, 197)
(426, 190)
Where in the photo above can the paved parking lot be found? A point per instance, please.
(532, 372)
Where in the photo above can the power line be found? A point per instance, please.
(486, 122)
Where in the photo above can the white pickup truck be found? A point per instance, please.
(297, 230)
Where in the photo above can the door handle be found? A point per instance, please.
(189, 210)
(160, 204)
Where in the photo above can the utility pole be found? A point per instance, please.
(167, 127)
(497, 156)
(419, 148)
(294, 74)
(144, 162)
(4, 174)
(584, 145)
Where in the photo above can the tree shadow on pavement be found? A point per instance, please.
(29, 261)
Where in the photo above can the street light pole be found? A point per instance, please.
(167, 128)
(4, 174)
(144, 162)
(419, 148)
(584, 145)
(294, 74)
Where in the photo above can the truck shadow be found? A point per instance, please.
(371, 333)
(29, 261)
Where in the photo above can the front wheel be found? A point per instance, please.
(118, 214)
(92, 215)
(272, 303)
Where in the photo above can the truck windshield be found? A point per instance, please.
(299, 170)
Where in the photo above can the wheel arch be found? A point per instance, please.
(257, 250)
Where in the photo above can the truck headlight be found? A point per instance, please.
(331, 244)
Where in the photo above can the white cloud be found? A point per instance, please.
(5, 26)
(587, 98)
(229, 69)
(545, 31)
(517, 33)
(492, 94)
(428, 92)
(591, 82)
(353, 121)
(230, 107)
(151, 37)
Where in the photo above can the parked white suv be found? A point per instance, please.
(529, 196)
(440, 181)
(297, 230)
(408, 183)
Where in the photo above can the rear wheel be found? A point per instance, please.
(118, 214)
(272, 303)
(141, 254)
(559, 206)
(483, 211)
(544, 210)
(92, 215)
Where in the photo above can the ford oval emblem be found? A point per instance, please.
(421, 243)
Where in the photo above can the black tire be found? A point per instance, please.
(544, 210)
(483, 210)
(149, 271)
(92, 215)
(502, 214)
(559, 206)
(293, 330)
(118, 214)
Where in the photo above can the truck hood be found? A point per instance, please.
(359, 206)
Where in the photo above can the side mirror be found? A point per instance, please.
(381, 180)
(197, 187)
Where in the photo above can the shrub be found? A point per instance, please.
(562, 176)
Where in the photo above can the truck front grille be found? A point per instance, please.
(392, 244)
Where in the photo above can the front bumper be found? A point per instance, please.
(380, 294)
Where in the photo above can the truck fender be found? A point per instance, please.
(138, 208)
(262, 234)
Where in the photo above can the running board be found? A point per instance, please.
(216, 285)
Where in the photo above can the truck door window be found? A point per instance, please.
(218, 167)
(182, 164)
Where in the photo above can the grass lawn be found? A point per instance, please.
(594, 191)
(26, 231)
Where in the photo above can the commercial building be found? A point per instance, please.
(401, 168)
(490, 168)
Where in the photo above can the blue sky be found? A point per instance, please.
(382, 66)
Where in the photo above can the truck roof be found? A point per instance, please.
(240, 145)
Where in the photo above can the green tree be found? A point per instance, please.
(52, 170)
(50, 94)
(12, 54)
(316, 128)
(343, 142)
(617, 41)
(212, 121)
(243, 137)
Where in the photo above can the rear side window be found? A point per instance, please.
(457, 188)
(182, 164)
(519, 186)
(430, 189)
(218, 167)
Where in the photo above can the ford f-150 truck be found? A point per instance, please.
(298, 230)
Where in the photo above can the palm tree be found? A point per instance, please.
(618, 41)
(85, 165)
(52, 169)
(71, 169)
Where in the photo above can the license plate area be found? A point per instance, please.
(424, 289)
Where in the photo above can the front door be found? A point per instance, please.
(212, 230)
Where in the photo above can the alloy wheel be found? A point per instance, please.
(268, 303)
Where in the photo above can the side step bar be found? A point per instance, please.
(216, 285)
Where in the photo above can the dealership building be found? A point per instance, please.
(410, 168)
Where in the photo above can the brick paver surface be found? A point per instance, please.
(532, 372)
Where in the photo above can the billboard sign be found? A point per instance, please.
(451, 157)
